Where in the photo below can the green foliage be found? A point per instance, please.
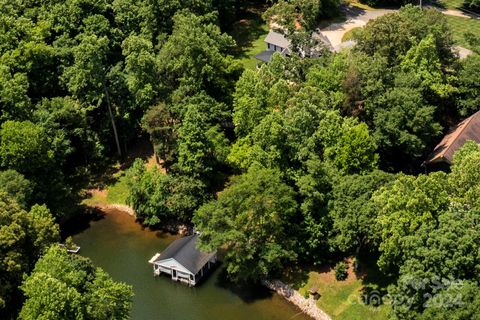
(393, 35)
(306, 13)
(250, 105)
(375, 3)
(465, 174)
(193, 145)
(141, 68)
(466, 307)
(161, 125)
(354, 152)
(64, 286)
(314, 186)
(158, 197)
(251, 219)
(405, 206)
(424, 62)
(341, 271)
(16, 186)
(404, 123)
(24, 236)
(469, 87)
(353, 213)
(441, 258)
(24, 147)
(193, 58)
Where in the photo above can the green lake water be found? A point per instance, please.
(122, 247)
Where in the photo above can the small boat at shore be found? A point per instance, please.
(75, 249)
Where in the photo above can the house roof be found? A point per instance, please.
(468, 129)
(265, 56)
(319, 36)
(185, 252)
(277, 39)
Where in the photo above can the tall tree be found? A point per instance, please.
(65, 286)
(24, 236)
(87, 77)
(353, 213)
(250, 218)
(25, 147)
(194, 58)
(405, 206)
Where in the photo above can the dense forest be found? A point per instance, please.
(293, 163)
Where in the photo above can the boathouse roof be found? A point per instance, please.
(185, 252)
(468, 129)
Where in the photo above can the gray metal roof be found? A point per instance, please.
(319, 36)
(265, 56)
(185, 252)
(277, 39)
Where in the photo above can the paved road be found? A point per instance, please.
(357, 17)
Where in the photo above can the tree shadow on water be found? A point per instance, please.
(81, 222)
(248, 292)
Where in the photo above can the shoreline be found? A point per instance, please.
(307, 306)
(174, 228)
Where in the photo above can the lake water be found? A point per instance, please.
(122, 247)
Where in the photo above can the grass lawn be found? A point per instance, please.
(115, 192)
(249, 32)
(460, 26)
(342, 299)
(114, 188)
(358, 4)
(451, 4)
(118, 191)
(350, 33)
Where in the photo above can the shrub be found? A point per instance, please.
(341, 271)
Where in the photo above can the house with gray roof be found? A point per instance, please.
(183, 261)
(277, 42)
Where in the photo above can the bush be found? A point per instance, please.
(341, 271)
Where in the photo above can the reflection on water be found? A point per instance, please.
(122, 248)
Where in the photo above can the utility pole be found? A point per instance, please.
(420, 4)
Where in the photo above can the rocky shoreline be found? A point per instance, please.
(308, 306)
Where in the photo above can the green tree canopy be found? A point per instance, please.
(408, 204)
(24, 236)
(24, 147)
(65, 286)
(17, 187)
(250, 218)
(354, 216)
(393, 35)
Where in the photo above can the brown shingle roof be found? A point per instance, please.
(468, 129)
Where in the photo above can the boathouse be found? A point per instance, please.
(183, 261)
